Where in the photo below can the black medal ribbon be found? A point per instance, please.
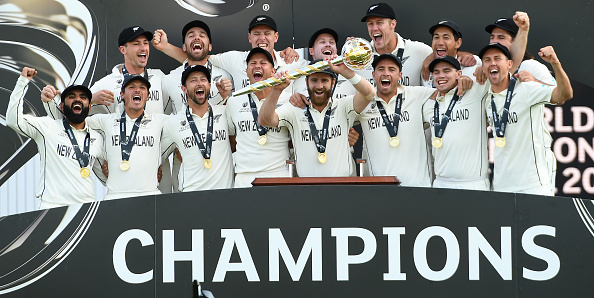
(392, 127)
(205, 149)
(440, 128)
(399, 54)
(125, 72)
(320, 141)
(261, 129)
(127, 145)
(501, 123)
(81, 156)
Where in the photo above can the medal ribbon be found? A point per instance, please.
(392, 127)
(205, 149)
(127, 145)
(82, 157)
(261, 129)
(500, 124)
(125, 73)
(320, 141)
(440, 128)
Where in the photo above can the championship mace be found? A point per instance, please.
(356, 55)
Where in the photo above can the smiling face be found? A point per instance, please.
(323, 47)
(197, 88)
(196, 44)
(76, 106)
(501, 36)
(264, 37)
(496, 66)
(381, 31)
(135, 95)
(386, 75)
(136, 52)
(444, 42)
(259, 68)
(319, 87)
(445, 77)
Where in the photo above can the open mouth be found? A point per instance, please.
(258, 75)
(263, 45)
(77, 107)
(197, 47)
(200, 93)
(440, 52)
(319, 92)
(385, 83)
(327, 52)
(441, 82)
(136, 98)
(142, 57)
(377, 37)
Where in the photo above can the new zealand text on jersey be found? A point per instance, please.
(141, 141)
(378, 122)
(249, 125)
(333, 132)
(217, 135)
(68, 152)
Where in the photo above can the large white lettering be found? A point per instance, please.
(452, 256)
(234, 238)
(343, 259)
(545, 254)
(170, 255)
(119, 256)
(312, 246)
(477, 243)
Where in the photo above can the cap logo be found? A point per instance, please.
(373, 7)
(260, 19)
(442, 22)
(135, 29)
(500, 20)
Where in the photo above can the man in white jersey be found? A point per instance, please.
(196, 44)
(260, 151)
(262, 32)
(201, 135)
(524, 161)
(320, 132)
(504, 31)
(458, 129)
(446, 41)
(67, 147)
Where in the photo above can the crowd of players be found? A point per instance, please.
(424, 113)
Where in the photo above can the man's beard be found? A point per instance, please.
(197, 57)
(75, 118)
(192, 97)
(319, 101)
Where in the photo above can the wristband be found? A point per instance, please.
(354, 80)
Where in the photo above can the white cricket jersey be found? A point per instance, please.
(526, 161)
(145, 157)
(409, 161)
(464, 154)
(60, 182)
(178, 97)
(250, 156)
(538, 70)
(193, 175)
(466, 71)
(339, 160)
(234, 62)
(157, 103)
(414, 54)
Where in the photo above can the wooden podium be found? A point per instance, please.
(377, 180)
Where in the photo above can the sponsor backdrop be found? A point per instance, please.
(319, 241)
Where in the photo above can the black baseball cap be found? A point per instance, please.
(447, 23)
(260, 50)
(449, 59)
(196, 23)
(71, 88)
(498, 46)
(506, 24)
(314, 36)
(194, 68)
(131, 33)
(262, 20)
(325, 70)
(382, 10)
(135, 77)
(391, 56)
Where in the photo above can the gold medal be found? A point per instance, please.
(84, 172)
(262, 140)
(394, 141)
(124, 165)
(322, 157)
(207, 163)
(437, 142)
(500, 142)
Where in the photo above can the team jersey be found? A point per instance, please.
(463, 155)
(234, 62)
(250, 156)
(409, 161)
(466, 71)
(158, 102)
(338, 154)
(61, 182)
(178, 97)
(145, 157)
(539, 71)
(193, 175)
(526, 161)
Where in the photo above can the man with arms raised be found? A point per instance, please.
(67, 147)
(320, 133)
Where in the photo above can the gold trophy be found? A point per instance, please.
(356, 54)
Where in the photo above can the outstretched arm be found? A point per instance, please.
(365, 91)
(161, 43)
(518, 47)
(268, 116)
(563, 92)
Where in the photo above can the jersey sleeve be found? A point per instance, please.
(539, 71)
(229, 113)
(167, 140)
(225, 60)
(539, 93)
(286, 115)
(428, 111)
(25, 125)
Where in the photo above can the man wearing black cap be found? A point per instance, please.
(200, 133)
(260, 151)
(524, 161)
(67, 147)
(446, 41)
(381, 25)
(458, 129)
(320, 133)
